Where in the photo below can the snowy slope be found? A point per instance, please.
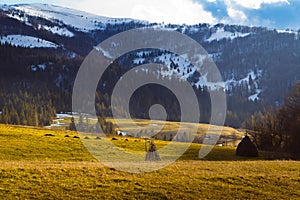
(80, 20)
(222, 34)
(177, 66)
(180, 67)
(26, 41)
(58, 31)
(54, 29)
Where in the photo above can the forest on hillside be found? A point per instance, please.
(40, 92)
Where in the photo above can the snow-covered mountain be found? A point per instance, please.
(80, 20)
(255, 62)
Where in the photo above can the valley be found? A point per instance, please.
(134, 133)
(37, 166)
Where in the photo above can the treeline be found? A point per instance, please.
(84, 125)
(25, 109)
(32, 104)
(31, 96)
(278, 129)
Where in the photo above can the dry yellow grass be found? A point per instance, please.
(182, 180)
(35, 166)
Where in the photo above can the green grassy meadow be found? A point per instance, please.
(37, 163)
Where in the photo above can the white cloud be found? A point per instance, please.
(256, 4)
(235, 15)
(239, 15)
(237, 9)
(168, 11)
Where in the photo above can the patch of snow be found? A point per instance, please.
(210, 85)
(58, 31)
(246, 79)
(42, 67)
(59, 125)
(255, 96)
(222, 34)
(20, 18)
(139, 61)
(62, 116)
(253, 76)
(35, 68)
(191, 30)
(27, 41)
(177, 65)
(289, 32)
(142, 53)
(235, 82)
(164, 27)
(231, 82)
(105, 53)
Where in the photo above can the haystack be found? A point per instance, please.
(247, 148)
(152, 154)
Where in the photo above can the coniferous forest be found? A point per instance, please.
(32, 95)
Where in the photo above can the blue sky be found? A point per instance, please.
(280, 14)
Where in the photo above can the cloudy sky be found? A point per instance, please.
(280, 14)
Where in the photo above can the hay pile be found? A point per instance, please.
(247, 148)
(152, 154)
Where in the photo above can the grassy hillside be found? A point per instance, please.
(171, 128)
(163, 130)
(27, 143)
(44, 164)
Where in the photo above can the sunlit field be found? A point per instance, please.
(44, 164)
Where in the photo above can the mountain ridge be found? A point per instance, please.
(258, 65)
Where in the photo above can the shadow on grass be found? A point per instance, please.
(217, 154)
